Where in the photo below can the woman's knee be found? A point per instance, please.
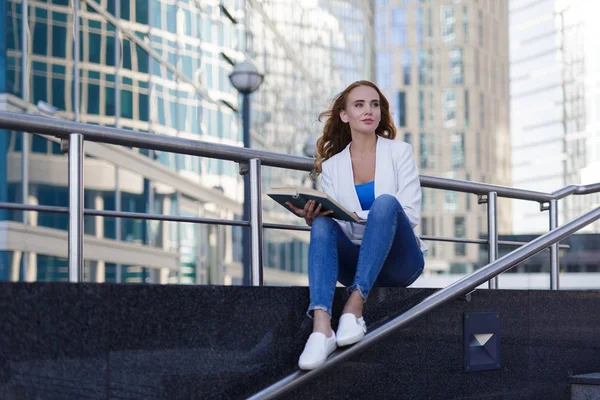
(322, 226)
(384, 206)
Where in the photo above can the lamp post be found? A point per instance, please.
(310, 150)
(246, 79)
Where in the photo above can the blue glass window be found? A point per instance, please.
(39, 88)
(156, 14)
(39, 144)
(171, 18)
(126, 104)
(93, 99)
(399, 26)
(141, 11)
(125, 9)
(59, 41)
(419, 25)
(58, 92)
(110, 101)
(126, 54)
(402, 108)
(94, 48)
(143, 59)
(110, 50)
(406, 65)
(144, 107)
(40, 36)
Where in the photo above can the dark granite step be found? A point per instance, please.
(101, 341)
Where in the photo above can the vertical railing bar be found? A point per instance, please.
(554, 260)
(256, 237)
(118, 267)
(25, 135)
(75, 207)
(492, 215)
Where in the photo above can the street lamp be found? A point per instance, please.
(246, 79)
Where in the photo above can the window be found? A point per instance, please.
(481, 111)
(465, 24)
(408, 138)
(40, 36)
(59, 41)
(424, 226)
(432, 110)
(476, 67)
(447, 23)
(460, 249)
(466, 107)
(402, 108)
(383, 69)
(381, 29)
(449, 104)
(480, 27)
(450, 197)
(419, 25)
(426, 147)
(456, 66)
(406, 65)
(458, 150)
(421, 109)
(126, 104)
(399, 26)
(423, 67)
(93, 99)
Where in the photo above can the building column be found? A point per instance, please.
(100, 272)
(31, 271)
(16, 266)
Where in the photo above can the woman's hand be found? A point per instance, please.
(309, 212)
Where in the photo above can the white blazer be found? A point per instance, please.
(395, 173)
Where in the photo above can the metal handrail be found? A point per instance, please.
(458, 288)
(124, 137)
(250, 161)
(214, 221)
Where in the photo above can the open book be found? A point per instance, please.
(300, 196)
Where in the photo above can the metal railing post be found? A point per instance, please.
(554, 261)
(256, 237)
(492, 214)
(75, 207)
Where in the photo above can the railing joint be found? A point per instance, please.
(468, 296)
(243, 168)
(64, 145)
(544, 206)
(482, 199)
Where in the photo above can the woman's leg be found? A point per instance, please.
(328, 246)
(387, 232)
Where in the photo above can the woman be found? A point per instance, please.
(369, 173)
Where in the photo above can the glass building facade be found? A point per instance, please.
(444, 67)
(162, 67)
(554, 106)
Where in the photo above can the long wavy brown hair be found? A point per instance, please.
(336, 133)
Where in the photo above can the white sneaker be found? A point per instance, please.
(318, 347)
(350, 329)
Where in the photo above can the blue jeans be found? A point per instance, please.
(388, 256)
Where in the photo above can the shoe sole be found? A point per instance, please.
(350, 340)
(308, 367)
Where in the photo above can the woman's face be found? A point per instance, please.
(362, 111)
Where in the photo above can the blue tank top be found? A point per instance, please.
(366, 194)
